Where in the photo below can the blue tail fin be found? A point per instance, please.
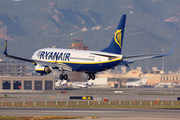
(117, 40)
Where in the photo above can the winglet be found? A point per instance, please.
(172, 49)
(5, 48)
(15, 57)
(168, 53)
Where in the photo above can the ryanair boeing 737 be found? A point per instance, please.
(89, 62)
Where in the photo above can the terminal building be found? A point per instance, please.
(13, 76)
(12, 68)
(26, 83)
(153, 76)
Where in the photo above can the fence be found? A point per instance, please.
(165, 104)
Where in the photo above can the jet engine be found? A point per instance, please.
(43, 69)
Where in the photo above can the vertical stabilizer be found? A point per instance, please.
(117, 40)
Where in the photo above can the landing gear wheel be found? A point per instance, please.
(65, 76)
(61, 77)
(88, 76)
(92, 76)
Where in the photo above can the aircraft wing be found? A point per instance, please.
(131, 59)
(53, 65)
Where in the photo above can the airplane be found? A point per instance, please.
(89, 62)
(138, 83)
(162, 85)
(82, 84)
(59, 84)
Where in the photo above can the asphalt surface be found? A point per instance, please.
(109, 114)
(128, 94)
(19, 98)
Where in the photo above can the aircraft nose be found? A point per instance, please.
(34, 56)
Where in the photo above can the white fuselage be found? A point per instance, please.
(68, 55)
(76, 58)
(137, 83)
(81, 84)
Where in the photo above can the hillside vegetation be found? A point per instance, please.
(30, 25)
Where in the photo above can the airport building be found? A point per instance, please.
(154, 77)
(77, 45)
(100, 82)
(166, 78)
(26, 83)
(12, 68)
(13, 76)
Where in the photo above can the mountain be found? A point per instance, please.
(151, 24)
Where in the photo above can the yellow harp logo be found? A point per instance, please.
(117, 37)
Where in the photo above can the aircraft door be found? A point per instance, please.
(100, 64)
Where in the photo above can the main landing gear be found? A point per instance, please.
(91, 76)
(63, 76)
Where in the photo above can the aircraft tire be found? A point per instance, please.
(65, 76)
(92, 76)
(88, 76)
(61, 76)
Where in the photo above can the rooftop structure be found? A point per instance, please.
(77, 44)
(12, 68)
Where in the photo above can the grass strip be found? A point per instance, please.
(39, 117)
(15, 118)
(95, 104)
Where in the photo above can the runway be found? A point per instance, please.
(145, 94)
(88, 112)
(128, 94)
(110, 98)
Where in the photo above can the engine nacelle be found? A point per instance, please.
(43, 69)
